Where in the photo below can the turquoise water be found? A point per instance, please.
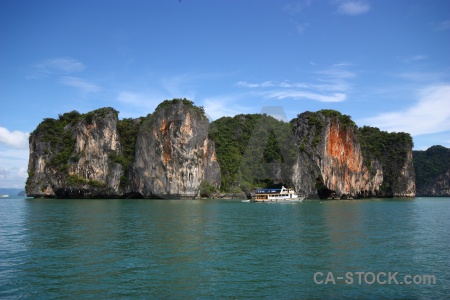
(171, 249)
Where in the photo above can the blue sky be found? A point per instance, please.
(384, 63)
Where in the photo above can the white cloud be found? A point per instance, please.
(329, 85)
(335, 97)
(79, 83)
(335, 78)
(142, 103)
(217, 107)
(56, 66)
(257, 85)
(13, 163)
(430, 114)
(13, 177)
(353, 7)
(16, 139)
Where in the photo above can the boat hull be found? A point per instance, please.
(300, 199)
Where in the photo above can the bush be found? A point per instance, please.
(206, 189)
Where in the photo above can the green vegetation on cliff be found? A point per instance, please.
(128, 130)
(345, 120)
(252, 150)
(60, 139)
(168, 104)
(390, 149)
(317, 121)
(430, 164)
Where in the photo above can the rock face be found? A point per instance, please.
(440, 187)
(170, 153)
(330, 153)
(433, 171)
(71, 157)
(174, 154)
(85, 156)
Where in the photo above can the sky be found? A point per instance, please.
(384, 63)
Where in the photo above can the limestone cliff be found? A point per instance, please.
(440, 187)
(432, 168)
(169, 153)
(173, 153)
(329, 151)
(71, 157)
(95, 155)
(392, 155)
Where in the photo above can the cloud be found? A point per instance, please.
(329, 85)
(13, 177)
(336, 97)
(430, 114)
(441, 26)
(414, 58)
(421, 76)
(353, 7)
(79, 83)
(297, 7)
(217, 107)
(145, 101)
(256, 85)
(180, 86)
(16, 139)
(335, 78)
(301, 28)
(56, 66)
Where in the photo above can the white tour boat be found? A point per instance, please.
(277, 195)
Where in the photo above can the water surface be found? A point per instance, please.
(53, 249)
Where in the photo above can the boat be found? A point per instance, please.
(4, 196)
(277, 195)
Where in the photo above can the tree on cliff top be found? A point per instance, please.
(174, 101)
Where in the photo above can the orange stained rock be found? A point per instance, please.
(186, 127)
(163, 126)
(340, 147)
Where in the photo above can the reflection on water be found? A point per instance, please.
(216, 248)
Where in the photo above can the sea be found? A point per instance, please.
(225, 249)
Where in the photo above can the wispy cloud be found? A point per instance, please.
(292, 94)
(283, 84)
(296, 7)
(15, 139)
(430, 114)
(80, 83)
(301, 28)
(414, 58)
(224, 106)
(329, 85)
(132, 104)
(443, 25)
(56, 66)
(352, 7)
(422, 76)
(180, 86)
